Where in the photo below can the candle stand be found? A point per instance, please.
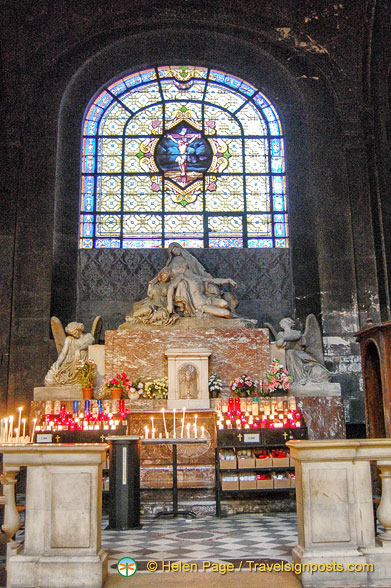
(175, 442)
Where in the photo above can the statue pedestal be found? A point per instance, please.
(58, 393)
(314, 389)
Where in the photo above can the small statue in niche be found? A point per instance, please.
(188, 381)
(70, 349)
(304, 354)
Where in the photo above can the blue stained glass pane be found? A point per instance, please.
(276, 147)
(89, 146)
(87, 185)
(261, 101)
(260, 243)
(275, 128)
(87, 203)
(87, 225)
(133, 80)
(188, 243)
(216, 75)
(247, 89)
(279, 202)
(141, 243)
(90, 127)
(278, 184)
(280, 230)
(148, 75)
(89, 164)
(277, 165)
(104, 100)
(107, 243)
(233, 82)
(281, 243)
(279, 218)
(86, 244)
(221, 243)
(117, 88)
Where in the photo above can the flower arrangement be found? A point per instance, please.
(278, 378)
(85, 372)
(120, 381)
(243, 386)
(136, 390)
(157, 388)
(215, 386)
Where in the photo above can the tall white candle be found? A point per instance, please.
(146, 432)
(24, 428)
(188, 430)
(32, 434)
(202, 431)
(165, 426)
(183, 421)
(11, 423)
(152, 429)
(19, 419)
(195, 426)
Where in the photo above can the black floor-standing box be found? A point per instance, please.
(124, 500)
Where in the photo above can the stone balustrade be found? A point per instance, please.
(62, 540)
(337, 538)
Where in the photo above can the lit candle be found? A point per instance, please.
(19, 419)
(188, 430)
(11, 422)
(164, 423)
(153, 433)
(24, 428)
(152, 429)
(145, 432)
(174, 411)
(183, 421)
(195, 426)
(202, 431)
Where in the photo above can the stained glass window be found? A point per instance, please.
(186, 154)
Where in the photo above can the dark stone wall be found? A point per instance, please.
(321, 63)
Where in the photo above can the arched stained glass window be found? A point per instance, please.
(182, 153)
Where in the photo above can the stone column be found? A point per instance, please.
(62, 546)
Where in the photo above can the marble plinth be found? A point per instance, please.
(141, 352)
(62, 544)
(57, 393)
(317, 390)
(324, 417)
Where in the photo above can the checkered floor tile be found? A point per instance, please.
(248, 537)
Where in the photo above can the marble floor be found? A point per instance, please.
(244, 537)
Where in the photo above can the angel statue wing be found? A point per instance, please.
(271, 329)
(58, 333)
(96, 328)
(313, 338)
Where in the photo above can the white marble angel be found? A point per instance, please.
(72, 346)
(304, 354)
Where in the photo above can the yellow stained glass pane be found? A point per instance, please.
(251, 120)
(109, 165)
(109, 146)
(114, 121)
(186, 224)
(108, 184)
(142, 97)
(228, 195)
(174, 91)
(257, 193)
(225, 226)
(146, 122)
(182, 73)
(259, 225)
(134, 224)
(221, 96)
(134, 152)
(108, 225)
(108, 202)
(219, 122)
(234, 156)
(142, 193)
(172, 202)
(256, 155)
(183, 110)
